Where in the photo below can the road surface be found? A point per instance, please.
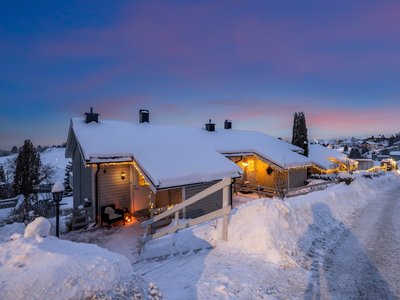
(361, 262)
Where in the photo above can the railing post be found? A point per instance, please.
(183, 199)
(259, 196)
(176, 218)
(225, 203)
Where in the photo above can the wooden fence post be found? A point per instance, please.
(225, 203)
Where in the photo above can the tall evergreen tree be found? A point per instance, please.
(346, 148)
(27, 170)
(67, 187)
(300, 136)
(14, 150)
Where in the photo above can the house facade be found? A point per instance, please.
(143, 166)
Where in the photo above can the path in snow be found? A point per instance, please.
(360, 262)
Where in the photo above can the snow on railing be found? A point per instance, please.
(12, 202)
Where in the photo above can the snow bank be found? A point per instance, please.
(9, 230)
(33, 267)
(271, 228)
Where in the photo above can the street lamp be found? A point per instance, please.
(57, 192)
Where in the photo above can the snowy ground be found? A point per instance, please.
(275, 250)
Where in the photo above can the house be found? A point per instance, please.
(395, 155)
(147, 166)
(364, 163)
(327, 160)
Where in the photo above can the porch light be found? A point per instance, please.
(123, 175)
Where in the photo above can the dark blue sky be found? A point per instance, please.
(255, 62)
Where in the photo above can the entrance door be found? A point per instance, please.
(251, 172)
(141, 192)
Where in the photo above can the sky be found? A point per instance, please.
(254, 62)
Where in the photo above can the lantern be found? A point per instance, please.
(127, 215)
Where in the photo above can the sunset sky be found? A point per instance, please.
(254, 62)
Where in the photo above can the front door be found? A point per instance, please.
(141, 192)
(251, 171)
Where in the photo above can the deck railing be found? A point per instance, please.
(223, 212)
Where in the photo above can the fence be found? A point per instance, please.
(45, 208)
(304, 190)
(7, 203)
(282, 191)
(261, 190)
(82, 217)
(43, 188)
(223, 212)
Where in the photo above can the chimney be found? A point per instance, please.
(210, 126)
(90, 117)
(228, 124)
(144, 116)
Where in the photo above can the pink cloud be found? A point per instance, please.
(204, 40)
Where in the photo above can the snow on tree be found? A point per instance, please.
(299, 136)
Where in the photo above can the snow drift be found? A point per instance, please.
(37, 267)
(272, 228)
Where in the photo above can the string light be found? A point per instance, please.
(132, 163)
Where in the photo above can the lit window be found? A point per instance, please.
(252, 165)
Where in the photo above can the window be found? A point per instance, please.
(252, 165)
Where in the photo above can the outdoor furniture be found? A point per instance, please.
(109, 215)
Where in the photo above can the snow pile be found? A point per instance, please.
(10, 230)
(39, 227)
(267, 255)
(270, 228)
(48, 268)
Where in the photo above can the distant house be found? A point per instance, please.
(395, 155)
(328, 160)
(364, 163)
(141, 165)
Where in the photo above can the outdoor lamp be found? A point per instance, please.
(127, 214)
(123, 175)
(57, 192)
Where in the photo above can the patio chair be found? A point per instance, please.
(110, 215)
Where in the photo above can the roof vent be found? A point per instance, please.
(210, 126)
(228, 124)
(90, 117)
(144, 116)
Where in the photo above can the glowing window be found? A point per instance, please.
(252, 165)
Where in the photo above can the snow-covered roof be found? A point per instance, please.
(175, 155)
(394, 152)
(320, 155)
